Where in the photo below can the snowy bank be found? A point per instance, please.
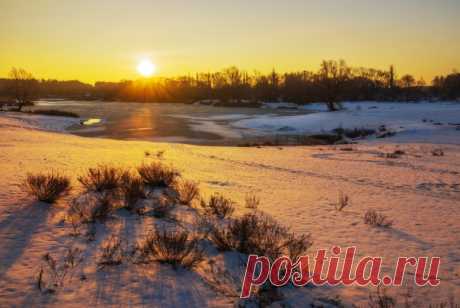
(414, 122)
(420, 192)
(49, 123)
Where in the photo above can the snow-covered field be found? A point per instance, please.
(297, 185)
(437, 122)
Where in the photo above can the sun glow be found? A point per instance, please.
(146, 68)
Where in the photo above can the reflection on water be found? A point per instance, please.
(169, 122)
(91, 121)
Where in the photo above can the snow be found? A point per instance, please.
(414, 122)
(49, 123)
(297, 185)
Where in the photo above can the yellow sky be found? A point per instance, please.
(104, 40)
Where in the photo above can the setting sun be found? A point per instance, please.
(146, 68)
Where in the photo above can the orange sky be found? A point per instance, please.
(104, 40)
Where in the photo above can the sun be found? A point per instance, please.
(146, 68)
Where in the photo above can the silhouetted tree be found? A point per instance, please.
(391, 77)
(332, 78)
(447, 87)
(23, 86)
(332, 83)
(407, 81)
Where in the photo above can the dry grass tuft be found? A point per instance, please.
(112, 253)
(132, 189)
(102, 178)
(381, 300)
(163, 207)
(437, 152)
(395, 154)
(92, 207)
(218, 206)
(375, 219)
(252, 201)
(258, 233)
(177, 248)
(342, 202)
(187, 191)
(53, 274)
(47, 187)
(157, 174)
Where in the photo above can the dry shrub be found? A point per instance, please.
(268, 294)
(342, 201)
(47, 187)
(375, 219)
(53, 274)
(173, 247)
(132, 189)
(381, 300)
(252, 201)
(187, 191)
(75, 222)
(156, 174)
(92, 207)
(395, 154)
(162, 207)
(257, 233)
(437, 152)
(160, 154)
(112, 253)
(102, 178)
(218, 206)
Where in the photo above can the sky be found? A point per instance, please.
(104, 40)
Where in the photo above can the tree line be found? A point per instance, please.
(335, 81)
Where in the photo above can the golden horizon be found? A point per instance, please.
(87, 41)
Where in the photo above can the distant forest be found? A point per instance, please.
(335, 81)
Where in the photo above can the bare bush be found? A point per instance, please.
(342, 201)
(92, 207)
(375, 219)
(252, 201)
(75, 222)
(102, 178)
(268, 294)
(156, 174)
(218, 206)
(162, 207)
(47, 187)
(395, 154)
(173, 247)
(112, 253)
(160, 154)
(187, 191)
(132, 189)
(257, 233)
(437, 152)
(53, 274)
(381, 300)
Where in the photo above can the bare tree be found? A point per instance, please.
(408, 81)
(391, 77)
(332, 78)
(23, 85)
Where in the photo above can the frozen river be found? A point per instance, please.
(198, 124)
